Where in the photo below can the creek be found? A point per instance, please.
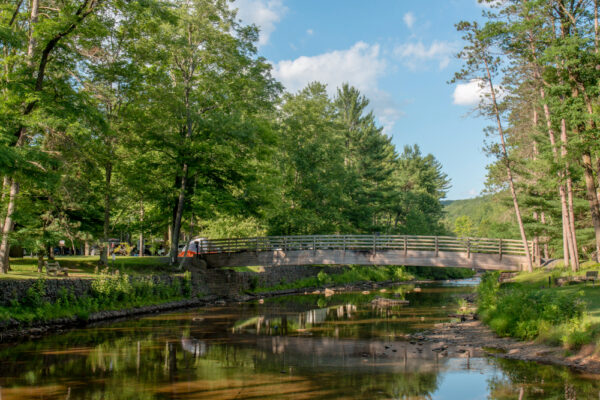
(293, 347)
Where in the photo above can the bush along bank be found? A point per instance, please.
(552, 316)
(355, 274)
(107, 292)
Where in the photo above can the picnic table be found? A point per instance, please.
(54, 268)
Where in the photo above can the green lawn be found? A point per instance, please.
(83, 267)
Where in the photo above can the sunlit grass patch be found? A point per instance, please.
(85, 266)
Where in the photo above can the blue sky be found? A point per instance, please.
(399, 53)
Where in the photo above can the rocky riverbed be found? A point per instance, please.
(471, 338)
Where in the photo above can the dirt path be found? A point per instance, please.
(473, 338)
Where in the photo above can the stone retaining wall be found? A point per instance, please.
(212, 281)
(224, 282)
(285, 274)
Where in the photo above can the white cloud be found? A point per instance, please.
(309, 31)
(467, 94)
(263, 13)
(471, 93)
(361, 66)
(413, 54)
(409, 19)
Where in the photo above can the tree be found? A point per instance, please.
(463, 226)
(480, 65)
(369, 160)
(204, 101)
(27, 103)
(312, 163)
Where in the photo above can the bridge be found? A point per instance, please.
(432, 251)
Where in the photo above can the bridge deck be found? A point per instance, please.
(438, 251)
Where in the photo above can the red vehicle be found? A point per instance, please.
(197, 246)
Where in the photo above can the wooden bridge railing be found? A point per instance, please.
(372, 243)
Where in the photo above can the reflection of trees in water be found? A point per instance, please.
(537, 381)
(181, 353)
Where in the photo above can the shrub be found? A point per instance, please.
(528, 313)
(323, 278)
(34, 297)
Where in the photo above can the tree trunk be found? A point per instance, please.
(590, 186)
(565, 225)
(7, 227)
(509, 174)
(546, 253)
(105, 248)
(596, 26)
(5, 185)
(574, 249)
(86, 248)
(567, 237)
(536, 243)
(588, 170)
(141, 245)
(178, 216)
(184, 173)
(40, 261)
(571, 218)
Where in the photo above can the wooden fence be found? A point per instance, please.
(372, 243)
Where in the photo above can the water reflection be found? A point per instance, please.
(341, 346)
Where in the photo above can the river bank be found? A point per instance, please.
(529, 318)
(473, 338)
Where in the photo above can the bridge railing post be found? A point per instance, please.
(374, 243)
(468, 247)
(405, 245)
(500, 249)
(344, 244)
(437, 248)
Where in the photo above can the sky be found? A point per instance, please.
(400, 54)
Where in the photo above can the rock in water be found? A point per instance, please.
(383, 302)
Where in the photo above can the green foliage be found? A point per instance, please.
(35, 294)
(463, 226)
(351, 274)
(485, 216)
(323, 278)
(528, 313)
(440, 274)
(109, 292)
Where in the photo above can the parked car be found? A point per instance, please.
(197, 246)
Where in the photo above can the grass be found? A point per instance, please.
(530, 308)
(84, 266)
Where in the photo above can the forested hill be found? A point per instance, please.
(484, 216)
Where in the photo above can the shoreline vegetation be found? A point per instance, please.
(108, 293)
(532, 308)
